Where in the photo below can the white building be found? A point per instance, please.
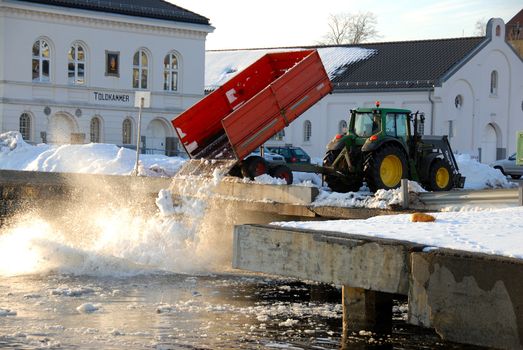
(69, 69)
(470, 89)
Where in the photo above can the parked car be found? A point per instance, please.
(291, 154)
(508, 167)
(269, 156)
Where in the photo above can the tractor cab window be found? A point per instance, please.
(366, 124)
(396, 125)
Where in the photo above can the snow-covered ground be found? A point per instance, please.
(496, 231)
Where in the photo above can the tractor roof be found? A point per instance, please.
(382, 109)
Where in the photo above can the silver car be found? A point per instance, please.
(508, 167)
(269, 156)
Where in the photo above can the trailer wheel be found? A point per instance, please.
(440, 176)
(351, 183)
(254, 166)
(282, 172)
(385, 168)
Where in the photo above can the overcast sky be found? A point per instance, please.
(274, 23)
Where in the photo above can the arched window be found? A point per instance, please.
(94, 131)
(458, 101)
(127, 131)
(25, 126)
(494, 82)
(76, 64)
(140, 69)
(170, 72)
(307, 130)
(342, 127)
(41, 61)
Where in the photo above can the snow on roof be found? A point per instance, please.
(220, 66)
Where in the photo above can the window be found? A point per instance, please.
(342, 127)
(41, 61)
(451, 128)
(170, 72)
(94, 133)
(494, 83)
(25, 126)
(307, 131)
(458, 101)
(396, 125)
(140, 68)
(127, 131)
(76, 65)
(279, 136)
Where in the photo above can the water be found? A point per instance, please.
(172, 311)
(92, 275)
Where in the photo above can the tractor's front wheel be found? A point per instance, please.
(385, 167)
(440, 176)
(351, 183)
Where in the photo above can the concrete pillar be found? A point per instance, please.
(366, 310)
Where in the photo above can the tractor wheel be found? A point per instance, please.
(282, 172)
(236, 171)
(440, 174)
(515, 177)
(385, 168)
(253, 166)
(337, 183)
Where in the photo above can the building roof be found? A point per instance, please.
(157, 9)
(514, 27)
(403, 65)
(406, 64)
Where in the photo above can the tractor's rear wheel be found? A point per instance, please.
(440, 176)
(351, 183)
(254, 166)
(282, 172)
(385, 167)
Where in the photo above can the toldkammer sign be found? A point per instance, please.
(111, 97)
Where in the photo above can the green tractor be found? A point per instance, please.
(383, 146)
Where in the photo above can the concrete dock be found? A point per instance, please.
(465, 297)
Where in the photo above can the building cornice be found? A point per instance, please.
(106, 21)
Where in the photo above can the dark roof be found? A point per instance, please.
(514, 27)
(406, 64)
(158, 9)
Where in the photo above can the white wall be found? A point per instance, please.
(484, 120)
(24, 23)
(487, 121)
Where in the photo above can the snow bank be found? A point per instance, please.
(480, 176)
(93, 158)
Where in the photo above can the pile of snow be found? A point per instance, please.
(480, 176)
(382, 199)
(93, 158)
(493, 232)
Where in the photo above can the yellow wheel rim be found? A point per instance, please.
(442, 177)
(391, 170)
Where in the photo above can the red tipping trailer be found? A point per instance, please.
(241, 115)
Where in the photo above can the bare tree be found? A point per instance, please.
(481, 27)
(346, 28)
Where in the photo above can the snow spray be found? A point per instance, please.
(103, 233)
